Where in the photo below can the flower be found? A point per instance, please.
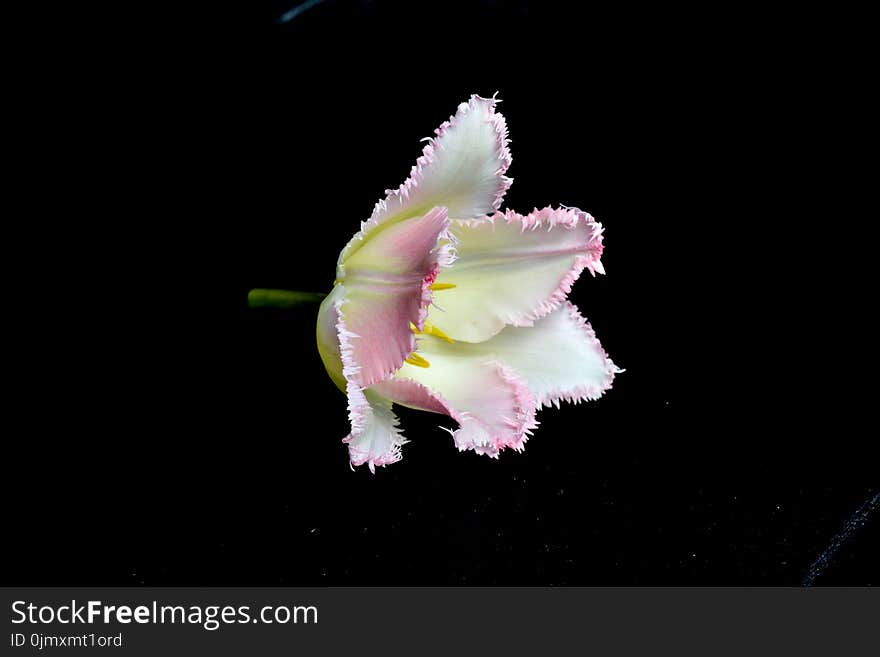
(444, 304)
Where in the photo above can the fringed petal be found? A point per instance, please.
(375, 438)
(388, 287)
(559, 357)
(514, 269)
(491, 402)
(462, 168)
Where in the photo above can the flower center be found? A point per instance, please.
(429, 329)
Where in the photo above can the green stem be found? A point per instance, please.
(261, 298)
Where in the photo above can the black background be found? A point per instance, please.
(171, 436)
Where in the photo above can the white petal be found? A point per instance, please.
(375, 438)
(490, 402)
(462, 169)
(513, 269)
(559, 357)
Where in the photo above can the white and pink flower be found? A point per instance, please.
(442, 303)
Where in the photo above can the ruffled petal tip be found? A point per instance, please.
(375, 439)
(490, 402)
(492, 435)
(461, 168)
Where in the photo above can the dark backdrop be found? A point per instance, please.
(173, 436)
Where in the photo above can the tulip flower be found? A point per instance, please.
(445, 304)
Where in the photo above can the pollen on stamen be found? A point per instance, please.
(437, 287)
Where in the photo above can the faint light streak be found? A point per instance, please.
(293, 12)
(858, 520)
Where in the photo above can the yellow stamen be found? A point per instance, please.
(417, 360)
(442, 286)
(430, 329)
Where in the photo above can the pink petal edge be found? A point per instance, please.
(444, 256)
(414, 394)
(360, 410)
(382, 357)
